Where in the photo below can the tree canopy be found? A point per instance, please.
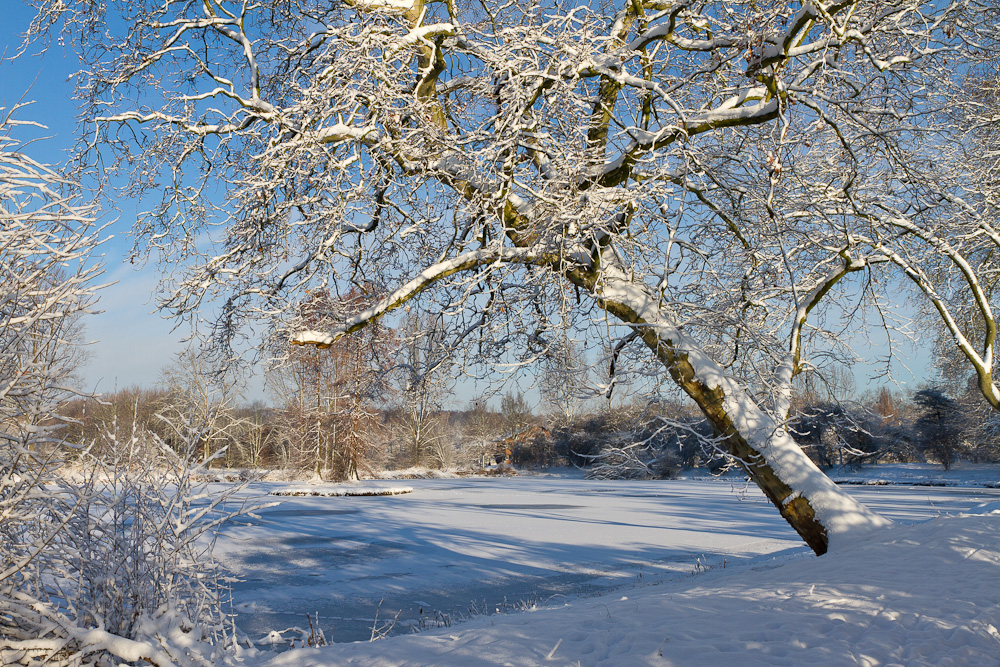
(730, 184)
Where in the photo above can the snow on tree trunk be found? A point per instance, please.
(806, 497)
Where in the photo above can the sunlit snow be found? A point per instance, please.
(561, 570)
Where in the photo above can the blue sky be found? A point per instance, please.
(133, 342)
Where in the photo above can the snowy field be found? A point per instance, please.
(556, 570)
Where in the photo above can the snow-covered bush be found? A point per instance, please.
(122, 568)
(646, 450)
(834, 435)
(634, 460)
(109, 561)
(651, 442)
(46, 241)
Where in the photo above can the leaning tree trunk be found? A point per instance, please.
(812, 504)
(806, 497)
(793, 506)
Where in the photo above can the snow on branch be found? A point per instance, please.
(426, 278)
(387, 6)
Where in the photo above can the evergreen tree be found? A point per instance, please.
(940, 431)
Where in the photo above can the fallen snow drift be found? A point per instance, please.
(925, 594)
(340, 491)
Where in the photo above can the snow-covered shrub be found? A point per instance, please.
(642, 453)
(579, 439)
(636, 460)
(534, 448)
(108, 561)
(122, 566)
(639, 444)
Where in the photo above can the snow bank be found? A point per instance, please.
(417, 472)
(992, 507)
(921, 474)
(916, 595)
(343, 491)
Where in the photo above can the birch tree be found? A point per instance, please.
(729, 184)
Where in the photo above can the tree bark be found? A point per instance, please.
(804, 495)
(795, 508)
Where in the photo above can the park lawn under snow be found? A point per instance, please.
(688, 574)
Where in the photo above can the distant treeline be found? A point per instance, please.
(642, 440)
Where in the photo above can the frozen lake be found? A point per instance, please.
(483, 544)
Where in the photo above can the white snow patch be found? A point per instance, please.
(390, 6)
(320, 338)
(339, 491)
(992, 507)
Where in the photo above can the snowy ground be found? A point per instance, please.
(730, 579)
(921, 595)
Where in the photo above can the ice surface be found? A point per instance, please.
(558, 542)
(917, 595)
(921, 474)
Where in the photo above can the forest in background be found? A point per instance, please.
(346, 435)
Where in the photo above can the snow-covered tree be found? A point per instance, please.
(330, 396)
(258, 436)
(197, 392)
(942, 428)
(885, 406)
(424, 361)
(516, 411)
(47, 238)
(481, 430)
(565, 380)
(727, 183)
(109, 561)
